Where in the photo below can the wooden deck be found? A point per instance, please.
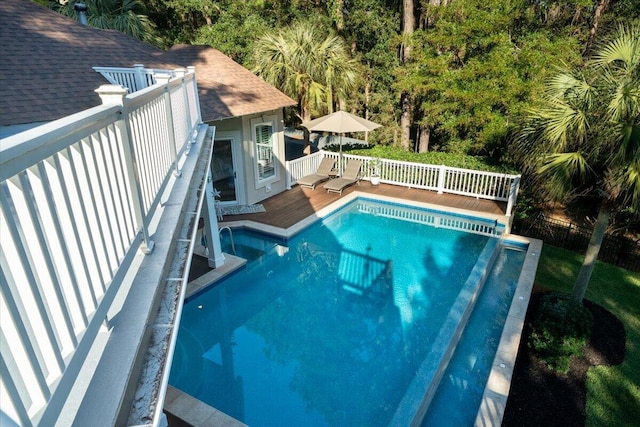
(289, 207)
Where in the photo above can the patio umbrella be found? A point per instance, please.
(340, 122)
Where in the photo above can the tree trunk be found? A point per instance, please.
(305, 115)
(306, 145)
(408, 25)
(580, 286)
(329, 98)
(423, 140)
(339, 14)
(597, 13)
(405, 121)
(367, 88)
(428, 20)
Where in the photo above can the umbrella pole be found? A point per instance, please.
(340, 160)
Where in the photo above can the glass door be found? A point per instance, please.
(223, 169)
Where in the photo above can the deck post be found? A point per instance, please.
(180, 73)
(141, 82)
(215, 257)
(513, 194)
(192, 70)
(287, 171)
(115, 95)
(441, 175)
(164, 79)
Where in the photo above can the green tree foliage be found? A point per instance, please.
(584, 136)
(371, 32)
(123, 15)
(475, 65)
(308, 64)
(477, 69)
(235, 31)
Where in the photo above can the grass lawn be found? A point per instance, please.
(613, 392)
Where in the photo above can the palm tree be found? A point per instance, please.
(584, 138)
(308, 65)
(121, 15)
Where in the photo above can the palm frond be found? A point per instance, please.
(632, 183)
(562, 171)
(566, 164)
(622, 51)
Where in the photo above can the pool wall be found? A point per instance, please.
(496, 392)
(415, 403)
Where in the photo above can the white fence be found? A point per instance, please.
(76, 198)
(134, 79)
(440, 178)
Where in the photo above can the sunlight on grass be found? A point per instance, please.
(613, 392)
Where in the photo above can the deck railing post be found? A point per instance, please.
(116, 95)
(287, 169)
(513, 193)
(442, 171)
(180, 73)
(164, 79)
(141, 81)
(192, 70)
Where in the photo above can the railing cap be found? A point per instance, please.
(112, 94)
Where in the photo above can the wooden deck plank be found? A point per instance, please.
(289, 207)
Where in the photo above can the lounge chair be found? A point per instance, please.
(322, 174)
(350, 176)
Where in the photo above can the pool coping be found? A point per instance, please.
(232, 263)
(287, 233)
(417, 399)
(496, 392)
(494, 399)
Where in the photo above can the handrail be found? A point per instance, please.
(226, 227)
(77, 198)
(443, 179)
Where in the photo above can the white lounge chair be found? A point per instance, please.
(350, 176)
(322, 174)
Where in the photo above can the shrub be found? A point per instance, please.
(560, 329)
(433, 157)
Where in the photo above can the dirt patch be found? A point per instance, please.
(539, 396)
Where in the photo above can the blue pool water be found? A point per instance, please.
(458, 397)
(330, 327)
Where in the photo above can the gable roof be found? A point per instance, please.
(45, 71)
(46, 68)
(230, 90)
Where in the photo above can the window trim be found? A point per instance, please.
(255, 123)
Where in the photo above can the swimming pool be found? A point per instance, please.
(331, 326)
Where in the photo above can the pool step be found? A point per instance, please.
(416, 400)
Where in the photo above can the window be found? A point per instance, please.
(264, 150)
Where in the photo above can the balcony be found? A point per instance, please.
(97, 214)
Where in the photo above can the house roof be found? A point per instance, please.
(226, 88)
(45, 71)
(46, 68)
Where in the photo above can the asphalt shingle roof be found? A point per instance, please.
(46, 70)
(230, 90)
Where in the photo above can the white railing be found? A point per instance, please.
(76, 199)
(134, 79)
(440, 178)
